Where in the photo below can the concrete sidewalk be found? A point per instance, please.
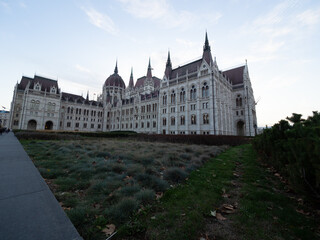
(28, 209)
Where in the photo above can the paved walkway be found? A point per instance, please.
(28, 209)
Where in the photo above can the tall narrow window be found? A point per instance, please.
(164, 121)
(205, 90)
(173, 121)
(239, 101)
(182, 120)
(164, 99)
(182, 95)
(193, 119)
(205, 118)
(173, 97)
(193, 93)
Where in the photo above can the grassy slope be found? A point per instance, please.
(265, 211)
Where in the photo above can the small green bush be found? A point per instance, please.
(145, 196)
(134, 169)
(175, 175)
(122, 211)
(128, 191)
(118, 167)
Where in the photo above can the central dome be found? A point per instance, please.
(115, 79)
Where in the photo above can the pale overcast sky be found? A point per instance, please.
(78, 43)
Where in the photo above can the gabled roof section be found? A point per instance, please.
(72, 97)
(46, 83)
(190, 67)
(24, 82)
(235, 75)
(140, 81)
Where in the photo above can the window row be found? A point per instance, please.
(149, 107)
(182, 94)
(85, 125)
(86, 112)
(193, 120)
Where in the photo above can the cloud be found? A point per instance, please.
(152, 9)
(100, 20)
(164, 13)
(270, 34)
(22, 5)
(309, 17)
(4, 4)
(82, 69)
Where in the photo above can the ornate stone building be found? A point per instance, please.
(196, 98)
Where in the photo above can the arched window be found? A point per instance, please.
(193, 93)
(72, 110)
(68, 110)
(182, 95)
(164, 121)
(33, 104)
(205, 90)
(173, 97)
(164, 99)
(206, 118)
(37, 106)
(182, 120)
(53, 90)
(239, 101)
(173, 121)
(37, 87)
(193, 119)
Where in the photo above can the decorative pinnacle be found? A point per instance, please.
(206, 46)
(168, 60)
(149, 74)
(116, 68)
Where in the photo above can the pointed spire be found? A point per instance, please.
(168, 67)
(87, 98)
(131, 79)
(206, 46)
(207, 51)
(149, 74)
(168, 60)
(116, 68)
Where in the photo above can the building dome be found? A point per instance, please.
(115, 80)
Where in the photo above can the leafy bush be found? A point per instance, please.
(294, 150)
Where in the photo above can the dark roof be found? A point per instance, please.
(182, 70)
(79, 99)
(115, 80)
(72, 97)
(235, 75)
(46, 83)
(140, 81)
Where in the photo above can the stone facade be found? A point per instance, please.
(4, 119)
(196, 98)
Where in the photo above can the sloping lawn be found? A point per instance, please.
(231, 197)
